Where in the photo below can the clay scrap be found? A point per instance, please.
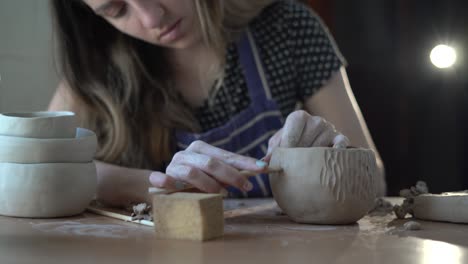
(116, 213)
(408, 204)
(142, 211)
(412, 226)
(382, 207)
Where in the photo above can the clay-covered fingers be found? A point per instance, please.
(210, 168)
(206, 172)
(235, 160)
(340, 141)
(195, 177)
(162, 180)
(324, 134)
(304, 130)
(273, 142)
(317, 132)
(293, 129)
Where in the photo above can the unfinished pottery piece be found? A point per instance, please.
(38, 124)
(446, 207)
(80, 149)
(324, 185)
(46, 190)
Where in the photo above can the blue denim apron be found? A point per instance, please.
(248, 132)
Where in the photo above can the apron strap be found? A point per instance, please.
(253, 67)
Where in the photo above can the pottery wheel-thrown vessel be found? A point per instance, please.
(38, 124)
(46, 190)
(324, 185)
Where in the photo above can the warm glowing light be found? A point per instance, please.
(443, 56)
(441, 252)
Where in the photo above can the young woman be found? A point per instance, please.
(195, 91)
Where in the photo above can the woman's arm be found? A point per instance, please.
(336, 103)
(117, 186)
(62, 99)
(206, 167)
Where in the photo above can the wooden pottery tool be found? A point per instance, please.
(125, 216)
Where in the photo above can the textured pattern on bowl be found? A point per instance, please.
(324, 185)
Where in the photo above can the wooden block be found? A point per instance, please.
(188, 216)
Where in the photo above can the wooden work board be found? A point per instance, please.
(255, 232)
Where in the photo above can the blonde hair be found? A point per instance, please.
(132, 103)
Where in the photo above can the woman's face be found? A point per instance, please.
(168, 23)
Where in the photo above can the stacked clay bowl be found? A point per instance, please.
(46, 165)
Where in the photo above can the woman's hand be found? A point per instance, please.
(208, 168)
(304, 130)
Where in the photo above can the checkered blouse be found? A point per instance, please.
(299, 56)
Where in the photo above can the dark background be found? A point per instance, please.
(417, 114)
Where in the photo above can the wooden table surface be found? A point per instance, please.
(255, 232)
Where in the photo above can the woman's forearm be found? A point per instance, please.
(121, 186)
(117, 186)
(336, 103)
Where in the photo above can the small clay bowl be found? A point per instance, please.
(79, 149)
(46, 190)
(324, 185)
(445, 207)
(38, 124)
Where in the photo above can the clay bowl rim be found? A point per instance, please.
(349, 148)
(53, 140)
(23, 116)
(80, 149)
(53, 165)
(318, 148)
(40, 124)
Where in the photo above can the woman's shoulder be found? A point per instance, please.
(288, 9)
(286, 17)
(292, 28)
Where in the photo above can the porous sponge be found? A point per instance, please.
(188, 216)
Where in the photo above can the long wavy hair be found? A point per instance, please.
(122, 85)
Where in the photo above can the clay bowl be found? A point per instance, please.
(444, 207)
(324, 185)
(79, 149)
(38, 124)
(46, 190)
